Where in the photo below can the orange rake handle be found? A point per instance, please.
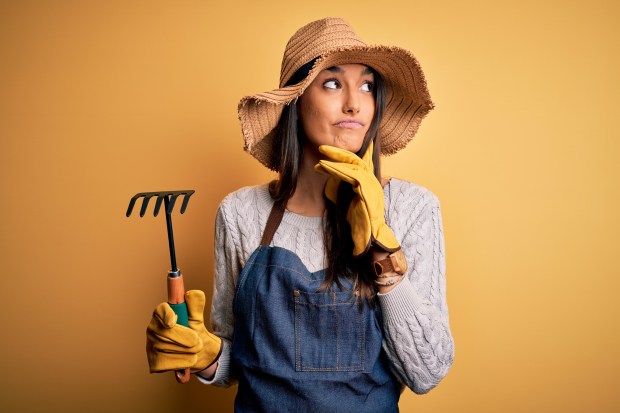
(176, 299)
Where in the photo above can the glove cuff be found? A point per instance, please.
(211, 350)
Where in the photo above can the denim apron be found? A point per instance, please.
(300, 349)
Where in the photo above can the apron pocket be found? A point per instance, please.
(329, 331)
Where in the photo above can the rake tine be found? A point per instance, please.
(145, 203)
(173, 199)
(186, 201)
(170, 196)
(160, 198)
(132, 202)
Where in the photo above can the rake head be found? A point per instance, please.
(169, 196)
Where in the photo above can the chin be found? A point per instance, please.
(354, 149)
(348, 145)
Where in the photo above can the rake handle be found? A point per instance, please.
(176, 299)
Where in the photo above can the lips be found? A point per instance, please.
(350, 124)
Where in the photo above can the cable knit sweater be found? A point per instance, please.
(417, 338)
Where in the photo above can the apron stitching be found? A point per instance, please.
(297, 338)
(284, 268)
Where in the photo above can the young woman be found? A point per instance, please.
(330, 281)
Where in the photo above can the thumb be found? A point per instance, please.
(195, 300)
(331, 189)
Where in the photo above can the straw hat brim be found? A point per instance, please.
(407, 100)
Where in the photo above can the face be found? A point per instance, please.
(338, 107)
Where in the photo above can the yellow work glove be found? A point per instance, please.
(170, 346)
(367, 210)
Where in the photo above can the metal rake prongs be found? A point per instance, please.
(161, 196)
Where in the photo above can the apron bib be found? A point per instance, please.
(300, 349)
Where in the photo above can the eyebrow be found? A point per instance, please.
(338, 69)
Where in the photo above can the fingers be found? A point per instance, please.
(165, 315)
(159, 362)
(176, 340)
(344, 165)
(165, 335)
(170, 346)
(341, 155)
(343, 171)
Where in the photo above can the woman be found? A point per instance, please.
(329, 282)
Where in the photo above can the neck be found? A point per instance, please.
(308, 197)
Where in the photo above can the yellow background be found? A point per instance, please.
(100, 100)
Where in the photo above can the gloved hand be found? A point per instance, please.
(366, 212)
(170, 346)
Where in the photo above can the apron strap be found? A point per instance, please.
(273, 222)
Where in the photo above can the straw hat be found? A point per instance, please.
(334, 42)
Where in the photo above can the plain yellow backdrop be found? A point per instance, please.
(100, 100)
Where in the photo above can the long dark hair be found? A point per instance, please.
(288, 149)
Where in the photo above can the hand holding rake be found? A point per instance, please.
(176, 336)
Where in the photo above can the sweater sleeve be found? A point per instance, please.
(417, 336)
(227, 268)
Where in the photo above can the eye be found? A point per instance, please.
(331, 84)
(368, 86)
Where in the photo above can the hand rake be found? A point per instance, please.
(176, 289)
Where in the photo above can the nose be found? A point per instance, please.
(351, 102)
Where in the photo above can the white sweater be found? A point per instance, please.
(417, 338)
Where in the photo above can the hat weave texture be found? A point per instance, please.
(334, 42)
